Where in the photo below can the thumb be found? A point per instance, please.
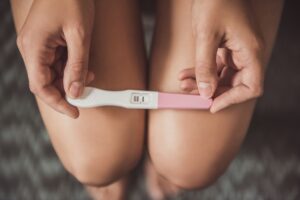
(76, 69)
(206, 65)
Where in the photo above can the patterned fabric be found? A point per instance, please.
(267, 167)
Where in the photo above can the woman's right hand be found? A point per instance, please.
(54, 43)
(230, 53)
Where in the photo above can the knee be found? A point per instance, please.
(101, 172)
(103, 156)
(189, 180)
(188, 176)
(104, 167)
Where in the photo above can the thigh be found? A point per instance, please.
(191, 148)
(105, 140)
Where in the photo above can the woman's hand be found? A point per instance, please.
(229, 63)
(54, 42)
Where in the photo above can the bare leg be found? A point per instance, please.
(191, 149)
(103, 144)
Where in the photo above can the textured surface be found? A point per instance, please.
(267, 167)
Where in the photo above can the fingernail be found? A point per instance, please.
(212, 110)
(75, 89)
(205, 89)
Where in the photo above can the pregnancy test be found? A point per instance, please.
(139, 99)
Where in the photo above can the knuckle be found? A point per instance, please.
(203, 65)
(78, 66)
(205, 33)
(19, 42)
(34, 88)
(257, 92)
(257, 44)
(204, 69)
(23, 41)
(79, 31)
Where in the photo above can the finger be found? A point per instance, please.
(235, 95)
(77, 63)
(205, 65)
(194, 91)
(58, 82)
(228, 77)
(221, 89)
(42, 85)
(220, 60)
(89, 77)
(188, 85)
(51, 96)
(58, 68)
(187, 73)
(247, 81)
(40, 55)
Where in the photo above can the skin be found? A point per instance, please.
(234, 29)
(102, 145)
(57, 63)
(193, 42)
(191, 149)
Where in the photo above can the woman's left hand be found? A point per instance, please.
(229, 64)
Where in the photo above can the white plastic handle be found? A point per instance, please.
(93, 97)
